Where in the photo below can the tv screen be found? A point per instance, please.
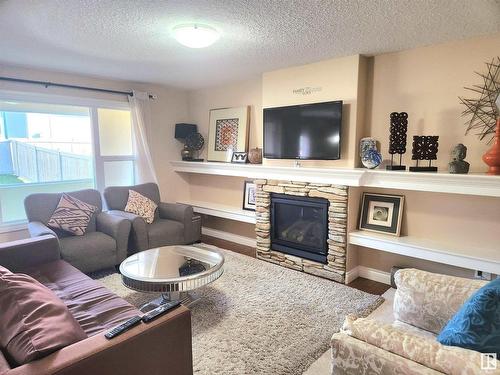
(309, 131)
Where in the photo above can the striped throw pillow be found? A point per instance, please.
(71, 215)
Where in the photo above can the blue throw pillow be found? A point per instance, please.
(476, 325)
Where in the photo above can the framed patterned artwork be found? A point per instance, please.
(228, 132)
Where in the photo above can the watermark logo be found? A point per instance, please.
(488, 361)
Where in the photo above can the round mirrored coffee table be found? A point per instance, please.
(172, 271)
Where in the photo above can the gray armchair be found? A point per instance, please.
(104, 243)
(174, 224)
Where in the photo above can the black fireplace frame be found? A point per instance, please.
(294, 248)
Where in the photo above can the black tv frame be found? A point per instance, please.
(303, 105)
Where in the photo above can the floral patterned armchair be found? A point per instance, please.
(423, 304)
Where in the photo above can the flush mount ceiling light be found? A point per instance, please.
(195, 35)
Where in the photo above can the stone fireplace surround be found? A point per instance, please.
(337, 195)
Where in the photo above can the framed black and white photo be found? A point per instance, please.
(382, 213)
(249, 196)
(239, 157)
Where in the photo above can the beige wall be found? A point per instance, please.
(234, 227)
(329, 80)
(337, 79)
(235, 95)
(453, 220)
(425, 82)
(170, 108)
(383, 261)
(219, 189)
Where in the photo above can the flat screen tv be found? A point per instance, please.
(309, 131)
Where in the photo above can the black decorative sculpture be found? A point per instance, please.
(397, 139)
(425, 147)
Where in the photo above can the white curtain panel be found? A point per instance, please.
(144, 168)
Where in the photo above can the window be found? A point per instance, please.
(46, 147)
(115, 157)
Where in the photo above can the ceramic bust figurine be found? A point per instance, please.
(458, 164)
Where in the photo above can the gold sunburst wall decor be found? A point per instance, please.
(483, 111)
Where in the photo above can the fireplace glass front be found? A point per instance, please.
(299, 226)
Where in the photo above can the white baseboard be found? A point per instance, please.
(351, 275)
(370, 274)
(359, 271)
(236, 238)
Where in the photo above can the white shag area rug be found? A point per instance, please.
(260, 318)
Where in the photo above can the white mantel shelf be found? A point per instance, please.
(469, 257)
(349, 177)
(472, 184)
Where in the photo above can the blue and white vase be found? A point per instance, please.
(370, 156)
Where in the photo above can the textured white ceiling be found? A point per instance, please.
(132, 39)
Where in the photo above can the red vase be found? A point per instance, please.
(492, 157)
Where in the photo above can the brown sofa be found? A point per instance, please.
(160, 347)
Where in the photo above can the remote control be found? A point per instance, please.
(123, 327)
(162, 309)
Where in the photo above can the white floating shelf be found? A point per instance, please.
(471, 184)
(219, 210)
(340, 176)
(487, 260)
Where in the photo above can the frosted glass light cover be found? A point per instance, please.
(195, 36)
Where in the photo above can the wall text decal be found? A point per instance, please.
(306, 90)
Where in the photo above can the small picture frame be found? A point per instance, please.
(382, 213)
(249, 191)
(239, 157)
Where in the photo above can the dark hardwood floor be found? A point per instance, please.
(368, 286)
(228, 245)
